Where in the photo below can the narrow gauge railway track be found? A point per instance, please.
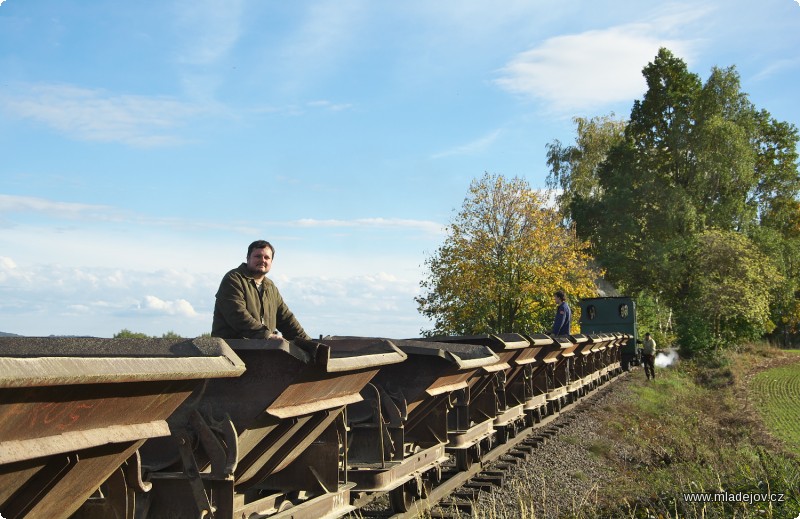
(458, 490)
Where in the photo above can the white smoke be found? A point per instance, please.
(664, 360)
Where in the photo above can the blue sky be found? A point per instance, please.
(144, 145)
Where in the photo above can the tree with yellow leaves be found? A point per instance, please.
(505, 254)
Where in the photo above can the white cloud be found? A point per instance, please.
(328, 105)
(776, 67)
(94, 213)
(44, 299)
(471, 148)
(178, 307)
(425, 226)
(209, 29)
(371, 304)
(93, 301)
(56, 209)
(11, 274)
(594, 68)
(97, 115)
(326, 36)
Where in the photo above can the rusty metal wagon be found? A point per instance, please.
(399, 432)
(494, 399)
(272, 442)
(537, 379)
(74, 411)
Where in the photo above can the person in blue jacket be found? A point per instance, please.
(563, 315)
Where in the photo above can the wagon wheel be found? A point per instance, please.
(285, 505)
(502, 435)
(463, 459)
(530, 420)
(402, 498)
(115, 499)
(432, 478)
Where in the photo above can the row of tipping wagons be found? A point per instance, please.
(174, 428)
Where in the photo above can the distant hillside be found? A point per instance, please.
(4, 334)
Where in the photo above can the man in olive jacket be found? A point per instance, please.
(249, 305)
(649, 356)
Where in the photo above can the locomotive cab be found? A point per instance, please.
(613, 315)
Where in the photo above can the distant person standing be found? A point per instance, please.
(563, 319)
(649, 356)
(249, 305)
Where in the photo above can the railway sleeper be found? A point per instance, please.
(482, 486)
(504, 466)
(524, 448)
(494, 480)
(454, 507)
(467, 493)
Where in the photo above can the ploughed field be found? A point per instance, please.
(776, 392)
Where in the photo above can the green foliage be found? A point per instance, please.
(505, 254)
(655, 316)
(127, 334)
(675, 208)
(728, 287)
(573, 169)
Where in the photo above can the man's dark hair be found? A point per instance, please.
(260, 244)
(560, 295)
(647, 334)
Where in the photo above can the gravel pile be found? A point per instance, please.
(564, 476)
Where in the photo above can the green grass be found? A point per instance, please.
(777, 392)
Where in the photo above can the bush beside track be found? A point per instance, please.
(643, 445)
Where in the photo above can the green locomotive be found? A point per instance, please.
(609, 315)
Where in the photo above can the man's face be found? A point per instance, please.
(260, 260)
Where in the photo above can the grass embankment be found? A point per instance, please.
(697, 428)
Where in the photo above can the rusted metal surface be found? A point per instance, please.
(400, 429)
(327, 506)
(73, 410)
(582, 365)
(12, 451)
(46, 361)
(277, 428)
(480, 401)
(433, 369)
(543, 379)
(397, 473)
(597, 364)
(405, 410)
(471, 436)
(498, 396)
(356, 353)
